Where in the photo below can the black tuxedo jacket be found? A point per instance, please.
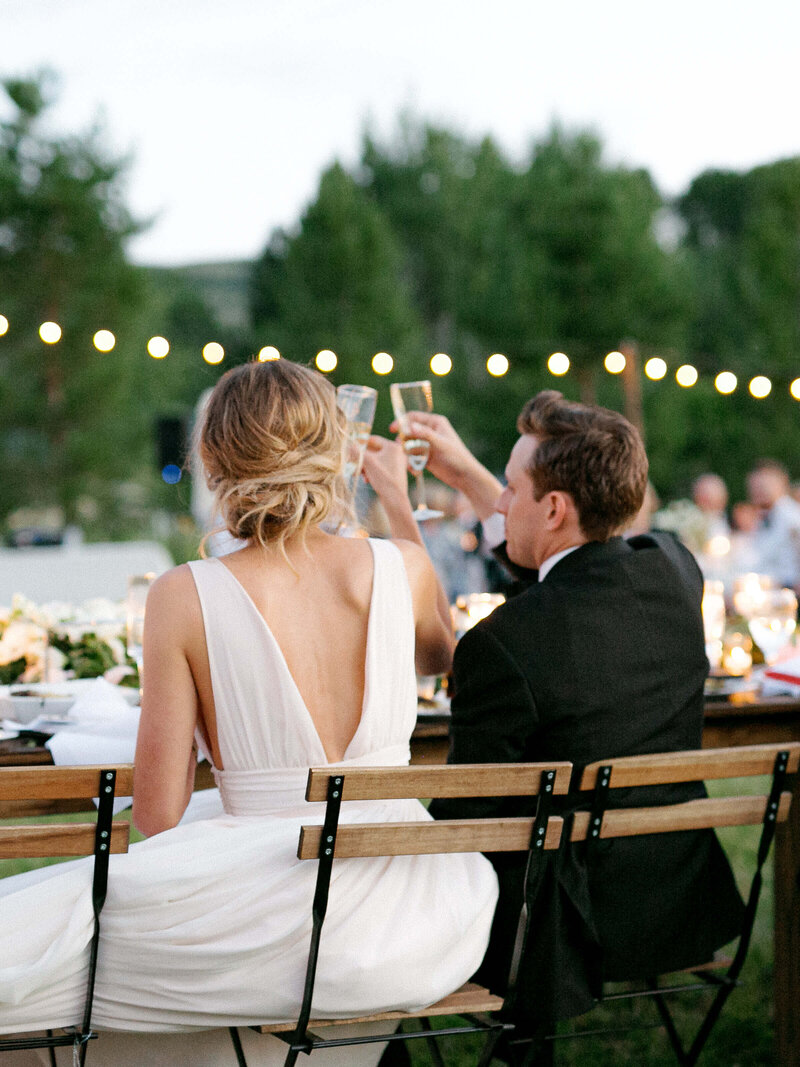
(605, 657)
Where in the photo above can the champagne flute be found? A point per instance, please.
(357, 402)
(138, 586)
(773, 622)
(408, 397)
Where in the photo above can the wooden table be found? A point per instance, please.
(753, 722)
(726, 723)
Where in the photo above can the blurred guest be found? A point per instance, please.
(744, 522)
(710, 495)
(776, 539)
(453, 544)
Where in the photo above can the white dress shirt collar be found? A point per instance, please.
(551, 561)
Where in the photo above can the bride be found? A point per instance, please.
(297, 650)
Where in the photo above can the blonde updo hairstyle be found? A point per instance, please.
(272, 444)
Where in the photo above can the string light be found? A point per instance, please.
(158, 347)
(104, 340)
(760, 386)
(558, 363)
(655, 368)
(497, 365)
(213, 352)
(615, 363)
(50, 333)
(725, 382)
(382, 363)
(326, 360)
(686, 375)
(441, 364)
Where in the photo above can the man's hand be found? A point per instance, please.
(452, 462)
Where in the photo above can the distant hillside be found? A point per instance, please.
(222, 287)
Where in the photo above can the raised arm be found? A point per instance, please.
(386, 471)
(165, 753)
(435, 641)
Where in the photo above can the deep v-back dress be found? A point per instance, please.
(207, 925)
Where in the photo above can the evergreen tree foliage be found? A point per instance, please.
(338, 284)
(68, 423)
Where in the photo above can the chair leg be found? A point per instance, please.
(433, 1045)
(237, 1046)
(692, 1056)
(489, 1046)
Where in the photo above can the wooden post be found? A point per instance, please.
(632, 385)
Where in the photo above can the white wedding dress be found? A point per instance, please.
(207, 925)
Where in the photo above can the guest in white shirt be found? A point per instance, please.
(777, 537)
(710, 495)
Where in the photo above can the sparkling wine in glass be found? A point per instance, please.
(408, 397)
(773, 622)
(358, 404)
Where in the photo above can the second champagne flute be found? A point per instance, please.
(358, 404)
(408, 397)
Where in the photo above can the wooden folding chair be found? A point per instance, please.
(482, 1011)
(41, 791)
(603, 821)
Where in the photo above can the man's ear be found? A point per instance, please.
(557, 509)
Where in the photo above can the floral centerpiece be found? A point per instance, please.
(684, 519)
(56, 641)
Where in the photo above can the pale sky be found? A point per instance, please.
(232, 109)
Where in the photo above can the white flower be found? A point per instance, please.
(21, 607)
(117, 648)
(22, 639)
(102, 609)
(53, 612)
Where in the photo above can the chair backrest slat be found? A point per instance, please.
(425, 838)
(58, 839)
(701, 765)
(59, 783)
(440, 781)
(690, 815)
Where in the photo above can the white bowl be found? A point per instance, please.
(25, 703)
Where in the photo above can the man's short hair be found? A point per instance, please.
(590, 452)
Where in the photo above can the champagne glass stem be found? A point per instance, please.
(422, 503)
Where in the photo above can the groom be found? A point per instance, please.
(600, 654)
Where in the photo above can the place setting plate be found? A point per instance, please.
(48, 702)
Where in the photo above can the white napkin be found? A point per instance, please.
(103, 731)
(782, 678)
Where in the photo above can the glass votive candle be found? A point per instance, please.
(713, 608)
(477, 606)
(748, 593)
(737, 654)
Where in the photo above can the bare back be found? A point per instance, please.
(319, 617)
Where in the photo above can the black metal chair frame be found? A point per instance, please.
(723, 981)
(78, 1036)
(301, 1039)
